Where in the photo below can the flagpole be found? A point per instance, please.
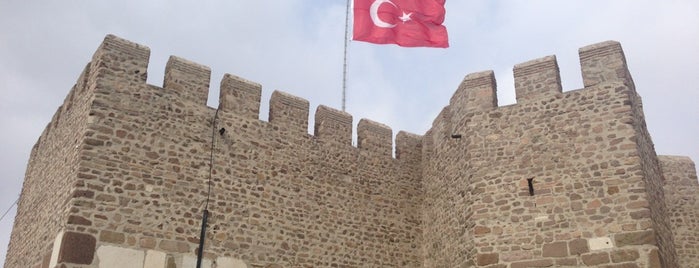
(344, 64)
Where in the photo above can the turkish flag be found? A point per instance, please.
(407, 23)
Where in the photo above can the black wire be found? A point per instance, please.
(8, 209)
(211, 165)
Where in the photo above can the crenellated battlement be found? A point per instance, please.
(124, 169)
(537, 78)
(240, 96)
(123, 64)
(535, 81)
(190, 80)
(332, 125)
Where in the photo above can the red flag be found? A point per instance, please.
(407, 23)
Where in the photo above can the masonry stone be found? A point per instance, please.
(122, 174)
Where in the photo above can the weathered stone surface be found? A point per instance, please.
(557, 249)
(654, 259)
(635, 238)
(681, 188)
(550, 180)
(147, 242)
(119, 257)
(174, 246)
(112, 237)
(590, 259)
(155, 259)
(624, 255)
(483, 259)
(77, 248)
(599, 243)
(228, 262)
(578, 246)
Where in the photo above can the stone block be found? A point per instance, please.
(119, 257)
(155, 259)
(635, 238)
(229, 262)
(190, 260)
(578, 246)
(112, 237)
(483, 259)
(595, 258)
(174, 246)
(556, 249)
(599, 243)
(624, 255)
(77, 248)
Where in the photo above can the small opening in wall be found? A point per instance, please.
(530, 182)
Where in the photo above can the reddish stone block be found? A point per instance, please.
(73, 219)
(77, 248)
(487, 258)
(595, 258)
(556, 249)
(567, 262)
(624, 255)
(578, 246)
(480, 230)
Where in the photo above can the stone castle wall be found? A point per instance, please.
(279, 195)
(681, 188)
(133, 181)
(50, 181)
(590, 203)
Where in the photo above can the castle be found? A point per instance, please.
(120, 176)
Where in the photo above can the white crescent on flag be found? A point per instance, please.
(374, 13)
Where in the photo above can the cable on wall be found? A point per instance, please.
(205, 216)
(8, 209)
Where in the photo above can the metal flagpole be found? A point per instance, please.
(344, 65)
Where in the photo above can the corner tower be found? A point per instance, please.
(557, 179)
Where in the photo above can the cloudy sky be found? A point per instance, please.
(297, 46)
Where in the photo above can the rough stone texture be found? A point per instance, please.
(227, 262)
(682, 198)
(155, 259)
(118, 257)
(599, 243)
(127, 165)
(592, 259)
(578, 246)
(77, 248)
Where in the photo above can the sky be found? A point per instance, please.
(297, 46)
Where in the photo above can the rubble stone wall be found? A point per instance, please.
(682, 200)
(125, 170)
